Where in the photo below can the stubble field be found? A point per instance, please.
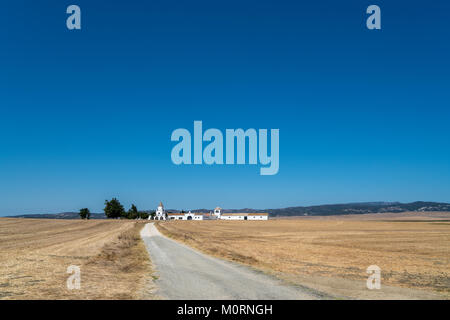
(35, 254)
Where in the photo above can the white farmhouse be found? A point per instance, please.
(244, 216)
(185, 216)
(239, 216)
(161, 214)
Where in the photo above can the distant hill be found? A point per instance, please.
(360, 208)
(348, 208)
(63, 215)
(320, 210)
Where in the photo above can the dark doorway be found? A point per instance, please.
(245, 218)
(189, 218)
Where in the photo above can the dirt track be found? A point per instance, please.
(185, 273)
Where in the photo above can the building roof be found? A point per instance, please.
(160, 204)
(182, 214)
(246, 214)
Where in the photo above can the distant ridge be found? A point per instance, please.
(347, 208)
(63, 215)
(360, 208)
(319, 210)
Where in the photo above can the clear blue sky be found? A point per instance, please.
(87, 115)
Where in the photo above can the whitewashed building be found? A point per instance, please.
(160, 213)
(185, 216)
(244, 216)
(218, 212)
(240, 216)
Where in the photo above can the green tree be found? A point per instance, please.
(85, 213)
(113, 209)
(133, 212)
(143, 215)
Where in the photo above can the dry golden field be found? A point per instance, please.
(412, 251)
(35, 254)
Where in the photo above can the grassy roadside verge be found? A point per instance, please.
(122, 270)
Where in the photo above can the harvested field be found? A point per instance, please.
(414, 253)
(35, 254)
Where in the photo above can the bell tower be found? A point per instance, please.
(218, 212)
(160, 213)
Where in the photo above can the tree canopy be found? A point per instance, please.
(85, 213)
(133, 212)
(113, 209)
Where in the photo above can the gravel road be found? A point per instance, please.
(185, 273)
